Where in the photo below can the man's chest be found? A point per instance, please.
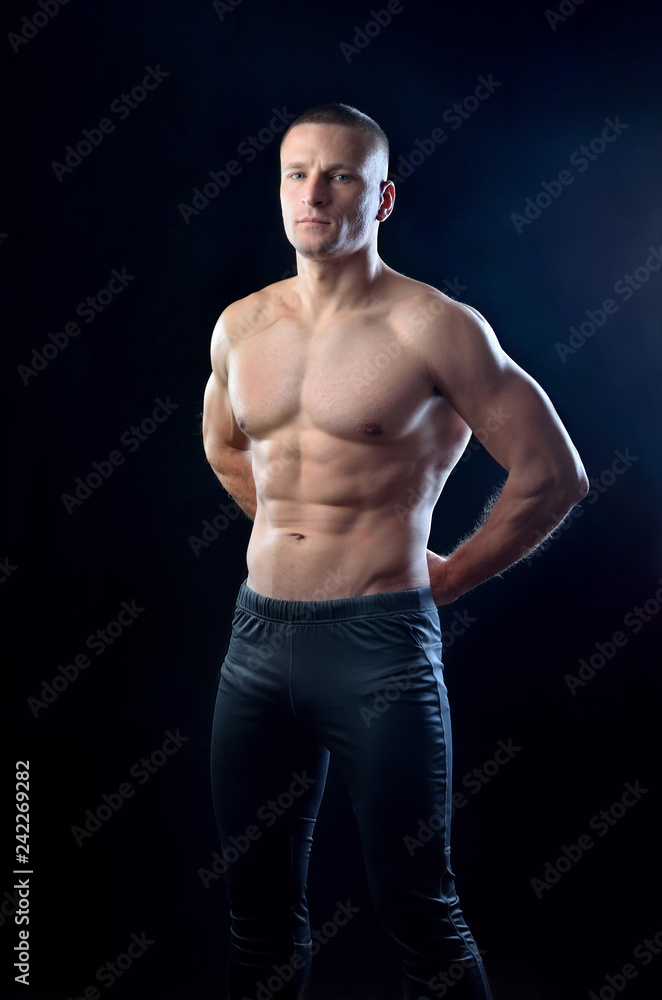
(349, 380)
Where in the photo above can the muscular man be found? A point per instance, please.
(339, 402)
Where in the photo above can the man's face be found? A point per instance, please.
(330, 174)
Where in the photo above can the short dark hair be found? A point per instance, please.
(344, 114)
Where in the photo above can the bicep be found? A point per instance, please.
(219, 426)
(504, 406)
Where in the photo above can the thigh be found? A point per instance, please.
(386, 718)
(268, 774)
(262, 765)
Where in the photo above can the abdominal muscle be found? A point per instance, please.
(335, 518)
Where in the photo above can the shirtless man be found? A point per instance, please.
(339, 402)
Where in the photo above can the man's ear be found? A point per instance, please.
(387, 200)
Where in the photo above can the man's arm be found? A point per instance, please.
(546, 477)
(227, 448)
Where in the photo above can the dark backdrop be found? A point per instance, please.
(504, 210)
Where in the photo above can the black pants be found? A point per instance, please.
(361, 678)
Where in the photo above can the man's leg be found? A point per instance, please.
(267, 778)
(378, 695)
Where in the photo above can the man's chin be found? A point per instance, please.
(315, 249)
(317, 255)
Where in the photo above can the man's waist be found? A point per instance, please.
(335, 609)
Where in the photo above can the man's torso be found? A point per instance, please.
(351, 440)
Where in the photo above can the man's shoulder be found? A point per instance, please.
(418, 307)
(256, 310)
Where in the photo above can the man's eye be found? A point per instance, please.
(344, 177)
(295, 175)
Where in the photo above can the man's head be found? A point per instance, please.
(334, 169)
(344, 114)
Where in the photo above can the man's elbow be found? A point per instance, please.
(570, 485)
(559, 483)
(583, 485)
(225, 459)
(219, 458)
(209, 446)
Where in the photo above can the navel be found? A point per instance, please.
(297, 535)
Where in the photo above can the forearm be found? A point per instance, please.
(234, 470)
(516, 524)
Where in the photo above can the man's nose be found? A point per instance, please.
(315, 192)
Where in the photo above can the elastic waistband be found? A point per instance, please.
(365, 606)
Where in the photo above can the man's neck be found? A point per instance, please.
(327, 287)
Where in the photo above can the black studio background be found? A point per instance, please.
(135, 553)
